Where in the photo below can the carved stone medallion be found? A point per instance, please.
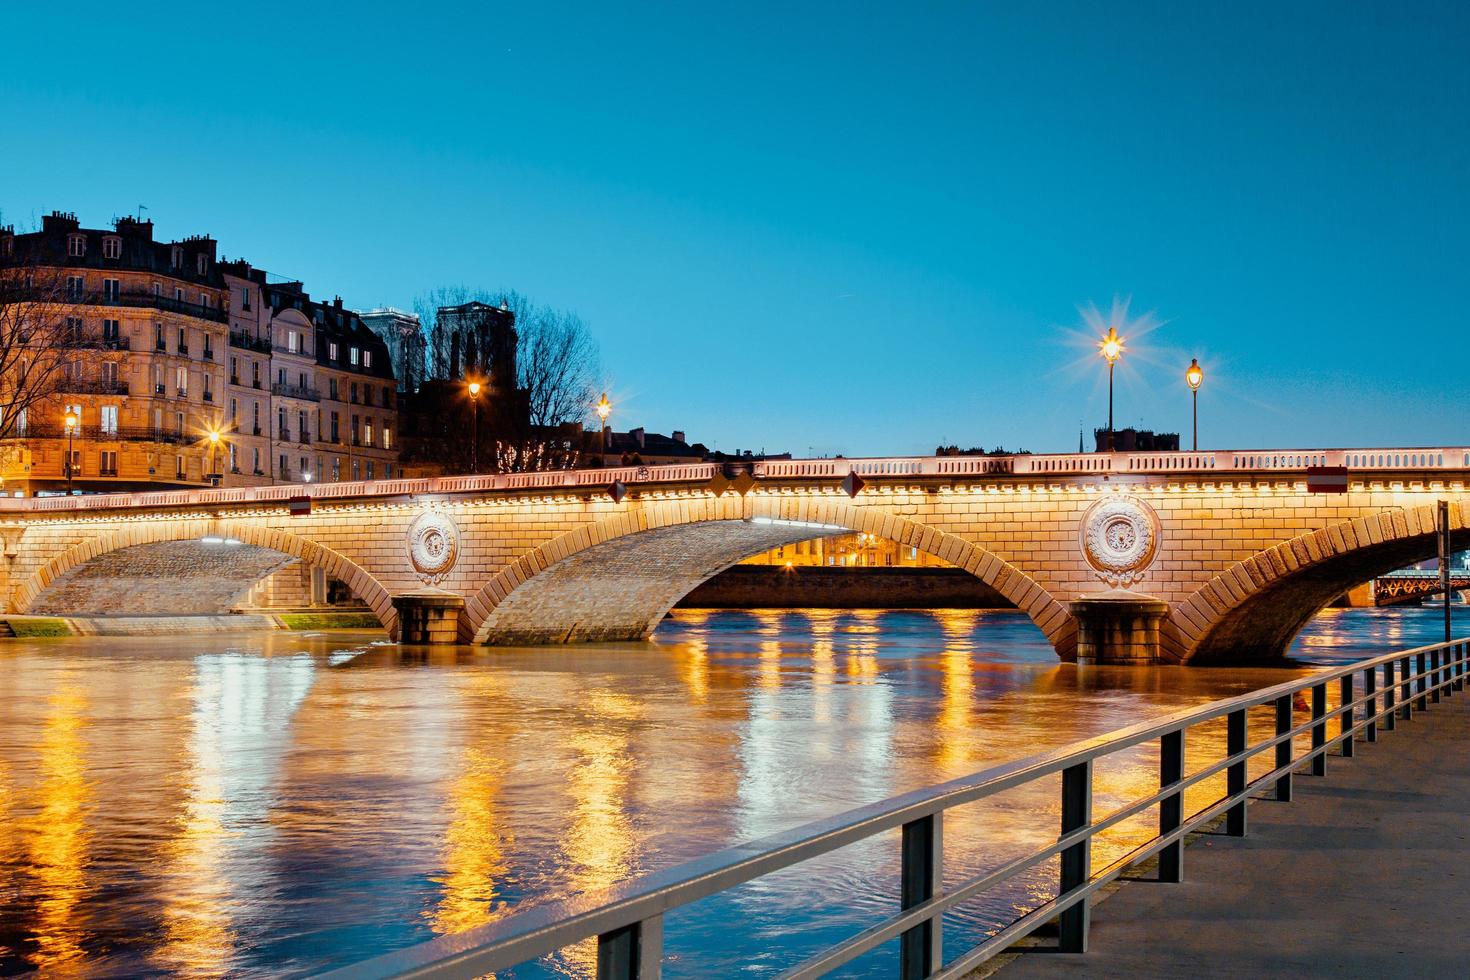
(433, 546)
(1120, 539)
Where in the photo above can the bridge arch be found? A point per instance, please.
(364, 585)
(616, 578)
(1252, 610)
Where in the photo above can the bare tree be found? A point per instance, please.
(557, 367)
(35, 341)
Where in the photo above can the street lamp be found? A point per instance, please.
(71, 427)
(1111, 347)
(604, 409)
(474, 389)
(213, 454)
(1193, 377)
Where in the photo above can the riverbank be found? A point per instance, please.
(33, 627)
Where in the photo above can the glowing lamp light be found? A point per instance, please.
(604, 408)
(70, 420)
(474, 389)
(1111, 346)
(1194, 375)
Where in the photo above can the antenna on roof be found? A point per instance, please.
(141, 209)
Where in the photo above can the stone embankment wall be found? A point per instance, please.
(818, 587)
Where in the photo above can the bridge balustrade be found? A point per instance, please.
(1204, 464)
(627, 919)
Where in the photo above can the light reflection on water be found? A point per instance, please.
(255, 805)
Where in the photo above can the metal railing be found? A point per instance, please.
(303, 392)
(627, 919)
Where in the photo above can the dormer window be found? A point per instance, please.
(7, 245)
(178, 257)
(367, 358)
(332, 351)
(352, 356)
(112, 247)
(76, 246)
(202, 263)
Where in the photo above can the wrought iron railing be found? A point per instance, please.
(627, 919)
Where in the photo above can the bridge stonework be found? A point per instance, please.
(1242, 559)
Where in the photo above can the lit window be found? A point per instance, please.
(352, 356)
(332, 351)
(112, 247)
(293, 342)
(367, 358)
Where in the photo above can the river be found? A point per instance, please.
(265, 804)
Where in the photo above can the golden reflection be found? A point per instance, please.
(600, 845)
(770, 665)
(474, 846)
(824, 672)
(196, 936)
(58, 834)
(695, 665)
(958, 686)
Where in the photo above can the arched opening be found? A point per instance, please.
(617, 580)
(1261, 625)
(189, 568)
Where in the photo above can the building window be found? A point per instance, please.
(335, 430)
(354, 392)
(352, 355)
(178, 257)
(178, 467)
(110, 330)
(255, 460)
(305, 468)
(107, 462)
(367, 358)
(388, 471)
(234, 409)
(111, 290)
(158, 289)
(336, 469)
(111, 247)
(75, 288)
(332, 389)
(367, 432)
(108, 418)
(234, 462)
(202, 263)
(204, 300)
(293, 342)
(387, 437)
(181, 382)
(285, 471)
(183, 341)
(369, 469)
(74, 326)
(109, 372)
(332, 351)
(158, 340)
(281, 423)
(76, 245)
(355, 470)
(301, 427)
(255, 419)
(178, 423)
(281, 377)
(178, 295)
(244, 298)
(208, 388)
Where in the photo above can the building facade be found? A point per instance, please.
(185, 371)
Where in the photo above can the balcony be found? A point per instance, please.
(151, 301)
(255, 383)
(97, 433)
(160, 389)
(255, 431)
(92, 386)
(209, 396)
(283, 436)
(304, 439)
(208, 353)
(112, 471)
(183, 392)
(296, 391)
(242, 340)
(235, 379)
(82, 342)
(183, 350)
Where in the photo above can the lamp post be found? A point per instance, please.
(71, 427)
(604, 409)
(213, 454)
(474, 389)
(1193, 376)
(1111, 347)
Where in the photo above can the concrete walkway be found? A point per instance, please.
(1365, 874)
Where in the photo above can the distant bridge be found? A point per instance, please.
(1232, 549)
(1414, 584)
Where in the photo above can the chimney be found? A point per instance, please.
(679, 435)
(637, 434)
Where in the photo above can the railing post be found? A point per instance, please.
(1370, 688)
(1283, 749)
(1345, 720)
(1076, 861)
(1319, 730)
(1459, 649)
(1420, 666)
(634, 952)
(1389, 715)
(1171, 808)
(1434, 675)
(921, 949)
(1235, 735)
(1406, 688)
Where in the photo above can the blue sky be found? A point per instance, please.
(843, 228)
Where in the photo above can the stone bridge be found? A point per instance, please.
(1187, 557)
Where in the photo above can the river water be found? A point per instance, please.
(269, 804)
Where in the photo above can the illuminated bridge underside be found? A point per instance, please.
(619, 590)
(171, 578)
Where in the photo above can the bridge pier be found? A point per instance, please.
(428, 616)
(1119, 627)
